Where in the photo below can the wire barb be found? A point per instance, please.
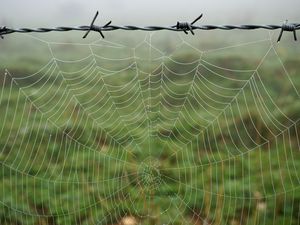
(3, 31)
(290, 27)
(96, 28)
(185, 27)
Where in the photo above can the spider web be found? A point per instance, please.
(121, 133)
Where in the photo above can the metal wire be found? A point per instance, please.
(179, 27)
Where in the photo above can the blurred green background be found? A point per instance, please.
(157, 128)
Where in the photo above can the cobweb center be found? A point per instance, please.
(149, 175)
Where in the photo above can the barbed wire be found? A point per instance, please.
(179, 27)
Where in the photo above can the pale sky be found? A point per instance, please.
(18, 13)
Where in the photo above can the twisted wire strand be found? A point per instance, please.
(185, 27)
(146, 28)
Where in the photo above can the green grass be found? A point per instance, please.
(73, 145)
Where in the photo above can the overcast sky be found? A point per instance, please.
(19, 13)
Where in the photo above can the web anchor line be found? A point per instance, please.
(180, 27)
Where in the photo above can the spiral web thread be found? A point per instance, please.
(129, 137)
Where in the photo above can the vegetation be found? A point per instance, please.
(96, 141)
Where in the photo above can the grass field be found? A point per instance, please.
(107, 134)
